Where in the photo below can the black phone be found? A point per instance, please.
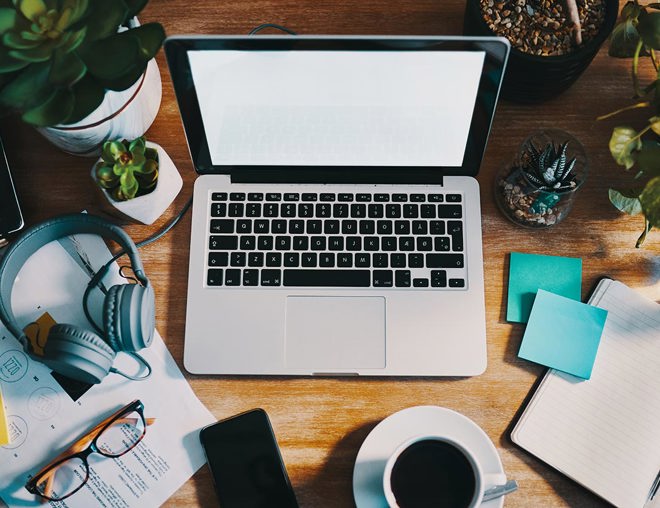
(246, 464)
(11, 218)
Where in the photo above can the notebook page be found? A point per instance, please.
(605, 432)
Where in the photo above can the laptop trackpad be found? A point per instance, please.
(324, 333)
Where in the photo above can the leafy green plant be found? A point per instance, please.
(127, 169)
(58, 57)
(638, 34)
(548, 169)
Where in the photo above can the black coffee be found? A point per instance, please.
(432, 473)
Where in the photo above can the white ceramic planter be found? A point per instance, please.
(122, 115)
(146, 209)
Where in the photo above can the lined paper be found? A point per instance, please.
(605, 432)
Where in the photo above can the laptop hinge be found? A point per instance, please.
(316, 174)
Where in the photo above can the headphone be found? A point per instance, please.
(128, 309)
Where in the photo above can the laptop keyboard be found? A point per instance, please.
(349, 240)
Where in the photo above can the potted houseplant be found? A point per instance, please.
(137, 179)
(638, 34)
(538, 188)
(552, 42)
(81, 71)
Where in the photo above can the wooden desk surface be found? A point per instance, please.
(321, 423)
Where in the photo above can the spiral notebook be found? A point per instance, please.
(604, 432)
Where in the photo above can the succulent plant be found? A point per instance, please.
(58, 57)
(549, 169)
(127, 169)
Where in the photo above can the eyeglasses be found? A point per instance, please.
(113, 437)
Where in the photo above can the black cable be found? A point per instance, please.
(271, 25)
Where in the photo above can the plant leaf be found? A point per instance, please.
(648, 27)
(648, 158)
(623, 143)
(623, 40)
(30, 88)
(88, 95)
(650, 201)
(103, 17)
(7, 19)
(134, 7)
(137, 145)
(66, 69)
(623, 203)
(52, 112)
(32, 9)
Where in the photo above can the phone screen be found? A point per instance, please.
(10, 213)
(246, 464)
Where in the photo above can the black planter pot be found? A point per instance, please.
(532, 78)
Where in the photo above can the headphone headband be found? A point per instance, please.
(32, 239)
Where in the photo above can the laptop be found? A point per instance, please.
(336, 224)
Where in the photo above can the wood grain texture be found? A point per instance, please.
(321, 423)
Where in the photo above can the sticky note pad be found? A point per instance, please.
(4, 429)
(530, 272)
(563, 334)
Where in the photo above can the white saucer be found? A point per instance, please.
(408, 423)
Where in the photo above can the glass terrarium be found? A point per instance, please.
(538, 188)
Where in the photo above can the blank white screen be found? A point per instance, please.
(336, 108)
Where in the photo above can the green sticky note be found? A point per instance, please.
(563, 334)
(530, 272)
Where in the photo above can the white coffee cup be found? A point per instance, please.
(482, 480)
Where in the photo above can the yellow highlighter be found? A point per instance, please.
(4, 430)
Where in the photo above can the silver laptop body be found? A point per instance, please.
(336, 222)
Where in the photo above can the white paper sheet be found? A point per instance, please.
(45, 418)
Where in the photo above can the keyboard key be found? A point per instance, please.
(253, 210)
(336, 243)
(450, 211)
(274, 259)
(406, 243)
(218, 258)
(271, 277)
(444, 260)
(441, 243)
(389, 243)
(456, 283)
(367, 227)
(305, 210)
(237, 196)
(323, 210)
(291, 196)
(309, 259)
(327, 278)
(349, 227)
(218, 196)
(244, 226)
(381, 197)
(256, 259)
(363, 197)
(300, 243)
(327, 260)
(375, 211)
(271, 210)
(248, 243)
(392, 211)
(309, 196)
(236, 209)
(358, 211)
(382, 278)
(238, 259)
(457, 243)
(345, 197)
(380, 260)
(436, 198)
(255, 196)
(223, 242)
(218, 209)
(282, 243)
(371, 243)
(291, 259)
(454, 227)
(288, 209)
(340, 211)
(437, 227)
(314, 227)
(438, 278)
(402, 227)
(353, 243)
(417, 198)
(421, 283)
(411, 211)
(453, 198)
(297, 227)
(250, 277)
(362, 260)
(419, 227)
(416, 260)
(402, 278)
(273, 196)
(398, 260)
(278, 226)
(222, 226)
(384, 227)
(214, 277)
(318, 243)
(428, 211)
(261, 227)
(331, 227)
(327, 197)
(232, 277)
(265, 243)
(400, 198)
(345, 260)
(424, 243)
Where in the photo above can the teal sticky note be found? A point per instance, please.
(530, 272)
(563, 334)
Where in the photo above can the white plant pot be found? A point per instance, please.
(146, 209)
(122, 115)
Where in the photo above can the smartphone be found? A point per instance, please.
(11, 218)
(245, 461)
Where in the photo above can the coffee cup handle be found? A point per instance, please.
(493, 479)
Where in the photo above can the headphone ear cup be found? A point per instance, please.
(78, 353)
(129, 317)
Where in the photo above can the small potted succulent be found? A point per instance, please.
(80, 71)
(537, 190)
(137, 179)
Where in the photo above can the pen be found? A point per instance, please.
(654, 487)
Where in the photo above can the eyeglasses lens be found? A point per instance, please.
(122, 435)
(63, 479)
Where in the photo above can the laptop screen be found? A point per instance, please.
(338, 108)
